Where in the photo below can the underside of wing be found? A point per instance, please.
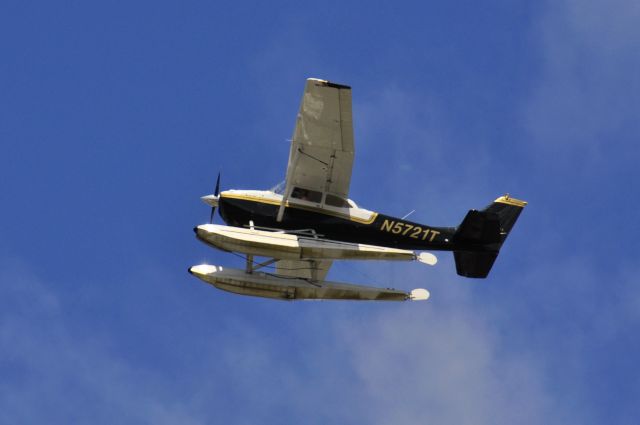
(313, 270)
(321, 156)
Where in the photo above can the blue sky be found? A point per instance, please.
(116, 117)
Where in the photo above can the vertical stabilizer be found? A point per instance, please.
(481, 235)
(507, 210)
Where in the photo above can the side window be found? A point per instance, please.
(306, 195)
(336, 201)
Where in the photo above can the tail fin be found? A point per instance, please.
(482, 233)
(508, 210)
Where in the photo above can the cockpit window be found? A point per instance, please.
(306, 194)
(336, 201)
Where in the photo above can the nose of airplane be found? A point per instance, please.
(211, 200)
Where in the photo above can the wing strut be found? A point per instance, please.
(288, 188)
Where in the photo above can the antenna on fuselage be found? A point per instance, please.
(408, 214)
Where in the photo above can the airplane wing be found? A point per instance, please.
(321, 155)
(314, 270)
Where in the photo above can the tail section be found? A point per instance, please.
(482, 233)
(508, 210)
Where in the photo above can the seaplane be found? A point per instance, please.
(291, 234)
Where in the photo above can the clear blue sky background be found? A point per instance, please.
(115, 117)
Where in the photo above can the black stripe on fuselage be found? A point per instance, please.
(383, 230)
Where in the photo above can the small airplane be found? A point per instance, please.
(303, 226)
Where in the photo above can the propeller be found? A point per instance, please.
(216, 192)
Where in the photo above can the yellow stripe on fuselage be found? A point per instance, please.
(288, 204)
